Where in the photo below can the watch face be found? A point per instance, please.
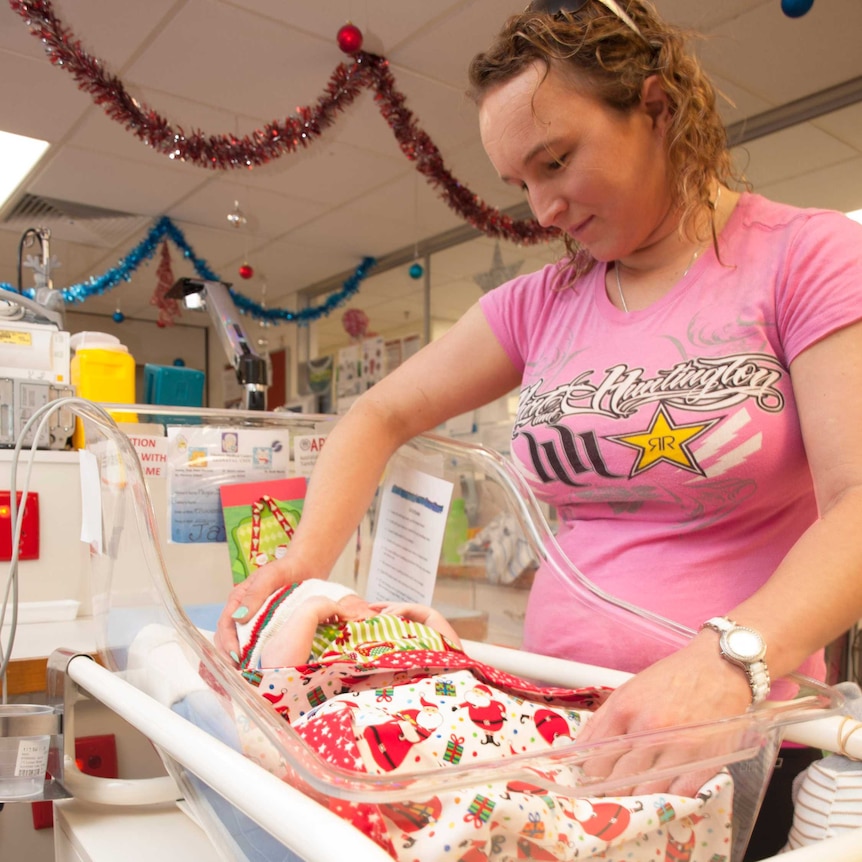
(745, 644)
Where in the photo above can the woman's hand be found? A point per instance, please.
(691, 686)
(246, 598)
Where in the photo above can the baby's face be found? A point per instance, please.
(354, 607)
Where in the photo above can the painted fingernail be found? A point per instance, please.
(239, 613)
(234, 656)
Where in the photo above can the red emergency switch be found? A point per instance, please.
(28, 547)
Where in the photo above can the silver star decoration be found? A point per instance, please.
(41, 272)
(237, 217)
(498, 273)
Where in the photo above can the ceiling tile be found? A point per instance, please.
(781, 59)
(791, 153)
(835, 187)
(123, 186)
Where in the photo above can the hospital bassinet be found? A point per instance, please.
(161, 672)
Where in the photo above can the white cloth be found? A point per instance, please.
(162, 665)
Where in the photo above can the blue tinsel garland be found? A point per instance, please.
(164, 228)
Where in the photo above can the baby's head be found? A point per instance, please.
(297, 593)
(280, 606)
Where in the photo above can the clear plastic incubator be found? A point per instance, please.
(501, 785)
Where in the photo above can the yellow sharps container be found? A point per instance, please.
(102, 369)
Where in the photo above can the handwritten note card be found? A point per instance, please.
(201, 459)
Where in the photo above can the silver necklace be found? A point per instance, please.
(694, 257)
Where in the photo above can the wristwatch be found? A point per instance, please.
(745, 648)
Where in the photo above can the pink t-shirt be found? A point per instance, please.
(668, 439)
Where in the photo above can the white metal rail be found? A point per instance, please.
(297, 821)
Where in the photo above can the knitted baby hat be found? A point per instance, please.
(276, 612)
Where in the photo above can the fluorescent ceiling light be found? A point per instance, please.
(18, 155)
(856, 215)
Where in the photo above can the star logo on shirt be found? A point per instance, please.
(665, 442)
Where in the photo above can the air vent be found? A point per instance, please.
(74, 222)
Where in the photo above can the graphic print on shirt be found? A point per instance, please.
(666, 442)
(704, 384)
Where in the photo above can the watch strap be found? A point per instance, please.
(719, 624)
(758, 680)
(756, 672)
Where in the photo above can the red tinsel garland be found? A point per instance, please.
(225, 152)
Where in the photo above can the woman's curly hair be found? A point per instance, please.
(603, 56)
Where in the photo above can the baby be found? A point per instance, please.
(374, 688)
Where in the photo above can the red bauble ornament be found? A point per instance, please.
(245, 271)
(349, 38)
(355, 322)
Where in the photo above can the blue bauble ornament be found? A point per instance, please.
(796, 8)
(119, 317)
(416, 271)
(179, 362)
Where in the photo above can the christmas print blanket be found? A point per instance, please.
(430, 711)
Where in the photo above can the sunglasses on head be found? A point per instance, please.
(556, 7)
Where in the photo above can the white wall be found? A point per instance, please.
(192, 340)
(199, 573)
(278, 337)
(148, 342)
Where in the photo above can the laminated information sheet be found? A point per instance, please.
(409, 536)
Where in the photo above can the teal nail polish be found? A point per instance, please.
(239, 613)
(234, 656)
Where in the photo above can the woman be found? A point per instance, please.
(689, 376)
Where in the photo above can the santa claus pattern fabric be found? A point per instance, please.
(421, 711)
